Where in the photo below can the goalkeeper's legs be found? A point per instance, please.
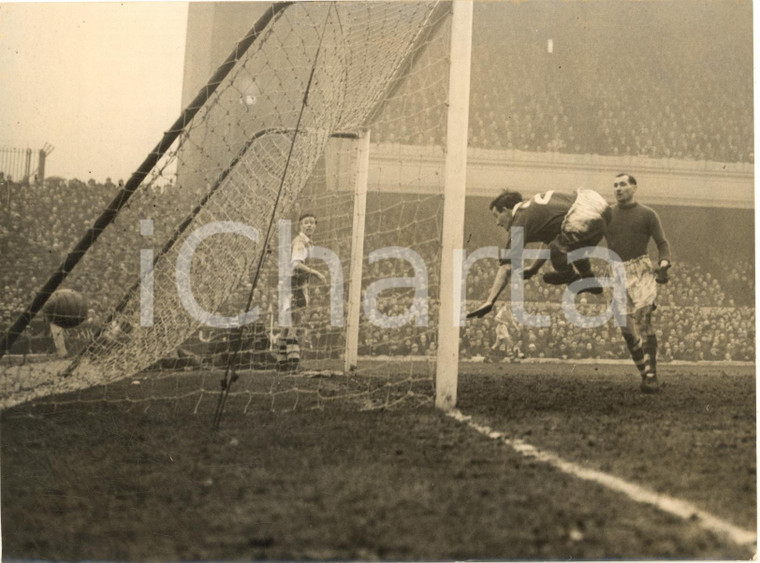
(636, 349)
(635, 345)
(644, 320)
(650, 349)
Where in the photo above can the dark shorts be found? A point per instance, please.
(300, 298)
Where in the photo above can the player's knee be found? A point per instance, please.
(583, 266)
(557, 256)
(643, 318)
(629, 335)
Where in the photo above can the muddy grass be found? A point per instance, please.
(149, 480)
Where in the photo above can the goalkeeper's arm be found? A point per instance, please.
(661, 271)
(499, 283)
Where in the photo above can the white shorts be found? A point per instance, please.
(640, 284)
(585, 221)
(502, 332)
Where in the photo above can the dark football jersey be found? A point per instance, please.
(541, 216)
(631, 228)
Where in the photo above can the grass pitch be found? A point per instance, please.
(105, 476)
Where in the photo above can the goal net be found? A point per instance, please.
(335, 109)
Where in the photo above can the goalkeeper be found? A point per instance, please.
(628, 234)
(563, 221)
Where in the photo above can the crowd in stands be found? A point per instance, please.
(639, 84)
(39, 227)
(706, 312)
(701, 323)
(685, 333)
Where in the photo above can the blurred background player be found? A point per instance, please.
(563, 221)
(292, 338)
(504, 328)
(628, 235)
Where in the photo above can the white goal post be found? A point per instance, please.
(452, 236)
(455, 183)
(351, 355)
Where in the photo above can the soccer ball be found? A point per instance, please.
(66, 308)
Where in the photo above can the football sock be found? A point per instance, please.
(651, 351)
(282, 349)
(637, 352)
(584, 267)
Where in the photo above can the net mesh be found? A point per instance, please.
(170, 282)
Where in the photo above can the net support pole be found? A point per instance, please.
(28, 167)
(41, 155)
(455, 182)
(361, 178)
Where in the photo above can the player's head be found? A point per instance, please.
(506, 200)
(307, 222)
(624, 186)
(501, 207)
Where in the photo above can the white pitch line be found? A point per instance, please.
(671, 505)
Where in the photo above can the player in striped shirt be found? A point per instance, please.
(628, 234)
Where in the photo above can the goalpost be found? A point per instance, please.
(453, 210)
(354, 111)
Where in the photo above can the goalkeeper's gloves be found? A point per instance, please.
(661, 273)
(481, 311)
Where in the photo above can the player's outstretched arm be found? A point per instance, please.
(499, 283)
(481, 311)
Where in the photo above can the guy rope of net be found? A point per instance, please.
(229, 374)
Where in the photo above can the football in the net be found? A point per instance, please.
(66, 308)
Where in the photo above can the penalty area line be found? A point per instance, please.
(665, 503)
